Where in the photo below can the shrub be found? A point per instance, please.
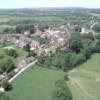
(62, 92)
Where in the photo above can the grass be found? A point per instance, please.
(21, 54)
(35, 84)
(34, 18)
(85, 80)
(5, 18)
(3, 27)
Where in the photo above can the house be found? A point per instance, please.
(27, 33)
(34, 45)
(85, 30)
(23, 41)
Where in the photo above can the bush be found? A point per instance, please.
(6, 64)
(11, 52)
(7, 86)
(62, 92)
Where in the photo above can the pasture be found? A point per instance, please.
(84, 81)
(35, 84)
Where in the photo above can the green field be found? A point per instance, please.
(37, 18)
(35, 84)
(5, 18)
(85, 80)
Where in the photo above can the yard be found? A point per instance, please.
(35, 84)
(85, 80)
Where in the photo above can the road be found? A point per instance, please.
(22, 70)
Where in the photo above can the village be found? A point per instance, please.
(41, 42)
(49, 53)
(56, 38)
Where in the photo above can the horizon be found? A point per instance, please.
(18, 4)
(47, 8)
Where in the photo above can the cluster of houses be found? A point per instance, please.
(57, 36)
(20, 40)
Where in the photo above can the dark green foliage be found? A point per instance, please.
(81, 49)
(7, 86)
(66, 77)
(27, 47)
(75, 42)
(11, 52)
(84, 44)
(64, 60)
(32, 53)
(9, 30)
(78, 28)
(6, 64)
(62, 92)
(25, 27)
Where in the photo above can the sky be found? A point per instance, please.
(49, 3)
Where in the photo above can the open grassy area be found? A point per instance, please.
(21, 54)
(35, 84)
(4, 18)
(85, 80)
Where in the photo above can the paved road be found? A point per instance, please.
(22, 70)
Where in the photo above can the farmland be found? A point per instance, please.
(35, 84)
(85, 80)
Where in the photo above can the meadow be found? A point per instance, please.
(84, 81)
(36, 83)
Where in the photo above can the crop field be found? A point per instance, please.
(85, 80)
(4, 18)
(35, 84)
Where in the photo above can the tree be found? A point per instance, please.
(7, 86)
(62, 92)
(11, 52)
(9, 30)
(20, 28)
(27, 47)
(75, 43)
(80, 58)
(6, 64)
